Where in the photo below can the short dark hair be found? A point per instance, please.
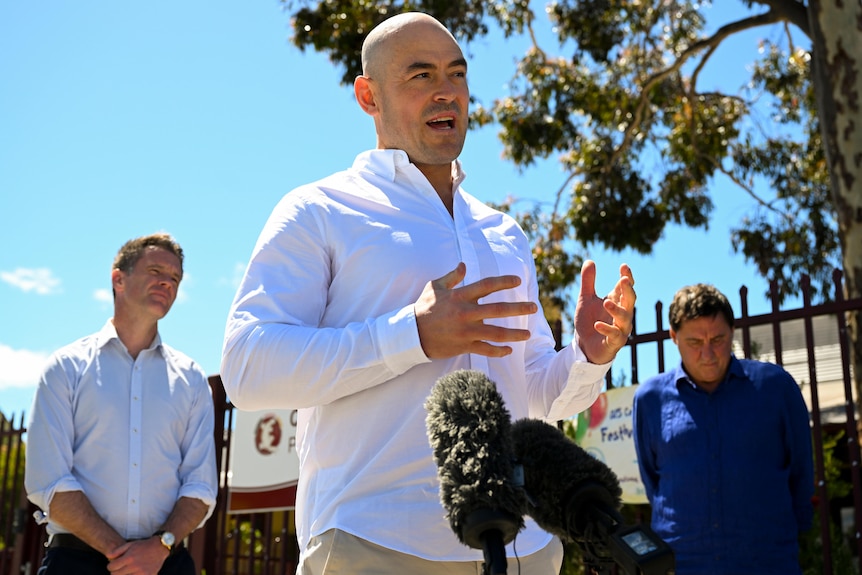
(133, 249)
(698, 300)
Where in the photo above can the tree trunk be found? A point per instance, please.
(836, 36)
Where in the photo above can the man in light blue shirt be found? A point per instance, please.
(120, 452)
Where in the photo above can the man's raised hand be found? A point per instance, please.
(604, 324)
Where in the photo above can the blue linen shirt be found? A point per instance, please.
(134, 435)
(729, 474)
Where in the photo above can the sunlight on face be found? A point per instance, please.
(153, 283)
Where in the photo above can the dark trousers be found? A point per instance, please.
(68, 561)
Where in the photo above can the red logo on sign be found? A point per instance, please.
(267, 434)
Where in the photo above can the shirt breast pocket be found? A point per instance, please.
(508, 257)
(680, 431)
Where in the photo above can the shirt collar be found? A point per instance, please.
(734, 370)
(108, 333)
(681, 377)
(386, 163)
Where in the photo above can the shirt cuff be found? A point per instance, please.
(42, 499)
(398, 337)
(583, 385)
(202, 493)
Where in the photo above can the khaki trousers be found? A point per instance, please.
(339, 553)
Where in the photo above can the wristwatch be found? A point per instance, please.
(167, 539)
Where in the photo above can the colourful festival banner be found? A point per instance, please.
(606, 432)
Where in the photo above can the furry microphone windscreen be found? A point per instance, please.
(563, 482)
(469, 431)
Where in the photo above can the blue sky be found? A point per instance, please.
(120, 119)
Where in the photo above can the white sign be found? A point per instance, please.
(606, 432)
(264, 466)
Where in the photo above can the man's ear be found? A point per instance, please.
(365, 95)
(673, 336)
(116, 278)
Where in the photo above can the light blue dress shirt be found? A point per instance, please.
(134, 435)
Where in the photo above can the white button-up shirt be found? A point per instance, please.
(323, 322)
(134, 435)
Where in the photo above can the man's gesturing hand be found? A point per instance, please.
(451, 321)
(604, 324)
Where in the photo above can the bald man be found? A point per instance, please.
(366, 287)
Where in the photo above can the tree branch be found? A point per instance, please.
(746, 188)
(779, 10)
(793, 11)
(711, 44)
(532, 34)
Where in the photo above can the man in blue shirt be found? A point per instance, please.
(724, 449)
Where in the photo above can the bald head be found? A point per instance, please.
(376, 44)
(414, 85)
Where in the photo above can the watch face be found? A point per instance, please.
(168, 538)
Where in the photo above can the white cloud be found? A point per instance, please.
(40, 280)
(103, 295)
(21, 367)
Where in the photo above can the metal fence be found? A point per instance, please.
(265, 543)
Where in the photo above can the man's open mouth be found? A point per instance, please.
(445, 123)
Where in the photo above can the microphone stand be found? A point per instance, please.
(494, 551)
(490, 530)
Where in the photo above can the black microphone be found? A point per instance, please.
(577, 497)
(469, 429)
(565, 485)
